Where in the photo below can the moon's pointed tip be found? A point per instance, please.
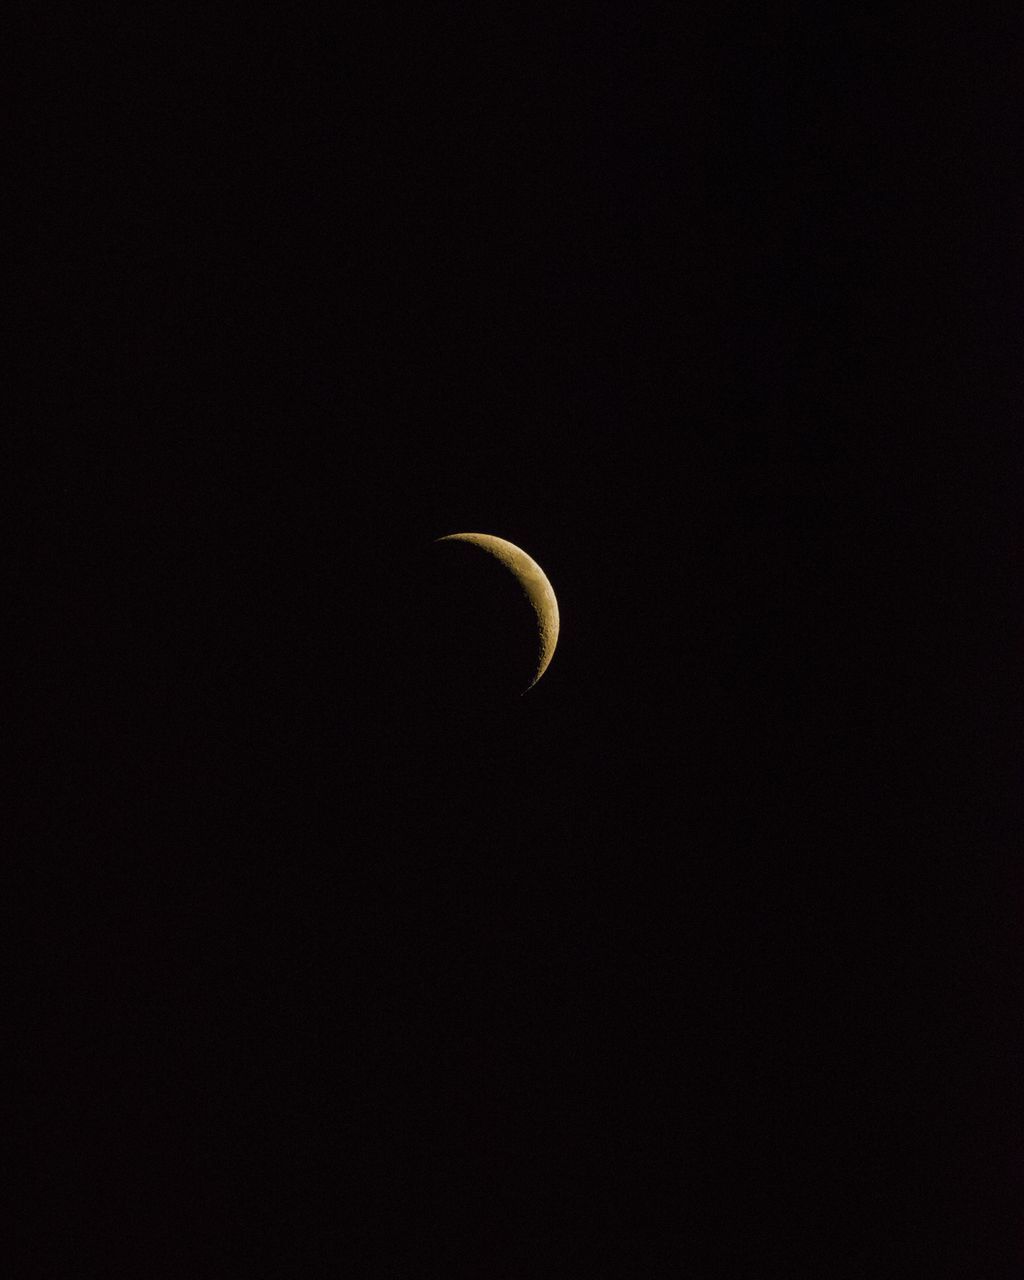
(533, 683)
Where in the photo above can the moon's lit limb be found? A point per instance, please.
(534, 582)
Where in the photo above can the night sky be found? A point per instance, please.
(702, 958)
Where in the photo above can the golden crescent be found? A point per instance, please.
(534, 582)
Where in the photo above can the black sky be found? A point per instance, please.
(698, 960)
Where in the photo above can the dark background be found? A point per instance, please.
(700, 959)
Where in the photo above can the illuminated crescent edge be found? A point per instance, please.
(534, 582)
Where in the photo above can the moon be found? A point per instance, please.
(535, 586)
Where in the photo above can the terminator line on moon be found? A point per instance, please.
(534, 583)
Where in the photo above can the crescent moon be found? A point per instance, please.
(536, 587)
